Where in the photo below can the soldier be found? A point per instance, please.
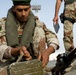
(26, 34)
(68, 19)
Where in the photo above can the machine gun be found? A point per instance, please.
(63, 61)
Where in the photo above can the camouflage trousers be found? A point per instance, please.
(70, 12)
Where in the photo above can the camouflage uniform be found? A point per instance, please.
(41, 33)
(69, 12)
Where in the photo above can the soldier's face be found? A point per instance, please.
(22, 12)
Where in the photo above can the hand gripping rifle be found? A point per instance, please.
(63, 61)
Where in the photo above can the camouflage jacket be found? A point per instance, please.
(40, 32)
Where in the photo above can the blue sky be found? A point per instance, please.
(46, 15)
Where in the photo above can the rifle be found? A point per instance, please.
(63, 61)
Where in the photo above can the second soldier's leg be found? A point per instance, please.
(68, 35)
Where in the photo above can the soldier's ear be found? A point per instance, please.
(13, 8)
(30, 7)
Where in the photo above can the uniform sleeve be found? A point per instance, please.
(51, 38)
(2, 50)
(5, 51)
(2, 27)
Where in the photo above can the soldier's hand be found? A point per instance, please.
(24, 51)
(44, 57)
(55, 20)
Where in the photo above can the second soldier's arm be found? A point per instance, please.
(57, 7)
